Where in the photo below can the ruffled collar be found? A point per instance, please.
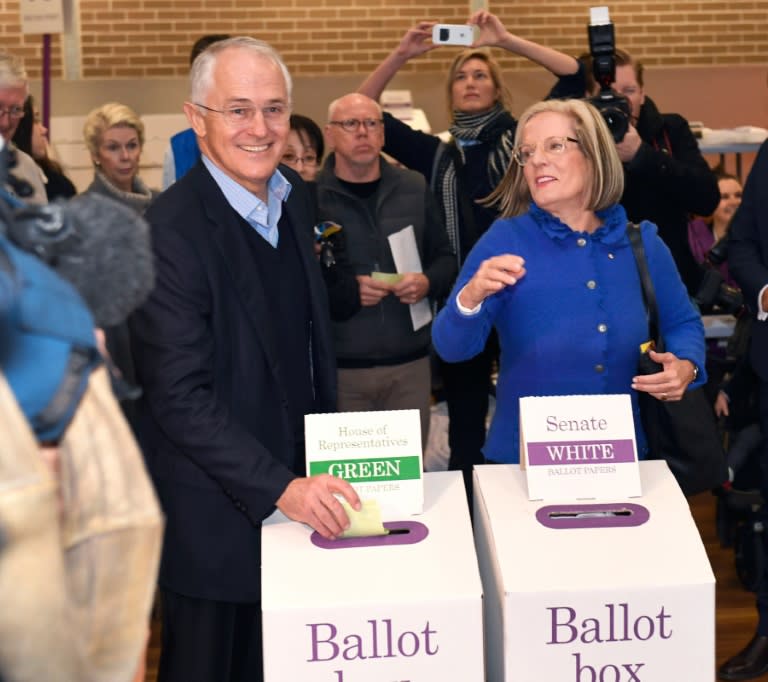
(613, 229)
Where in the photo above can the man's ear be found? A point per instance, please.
(195, 118)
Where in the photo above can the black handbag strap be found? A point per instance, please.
(646, 283)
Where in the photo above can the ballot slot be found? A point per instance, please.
(606, 515)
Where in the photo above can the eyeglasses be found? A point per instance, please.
(552, 146)
(12, 112)
(307, 159)
(239, 117)
(352, 125)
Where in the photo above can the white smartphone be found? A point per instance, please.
(598, 16)
(452, 34)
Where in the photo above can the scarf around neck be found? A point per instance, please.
(496, 129)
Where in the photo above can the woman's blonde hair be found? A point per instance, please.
(462, 58)
(110, 115)
(605, 182)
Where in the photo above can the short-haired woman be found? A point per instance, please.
(114, 135)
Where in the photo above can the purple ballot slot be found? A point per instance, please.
(616, 515)
(400, 533)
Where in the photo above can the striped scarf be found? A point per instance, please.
(495, 128)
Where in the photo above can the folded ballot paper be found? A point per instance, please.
(366, 522)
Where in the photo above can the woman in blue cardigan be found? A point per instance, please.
(556, 277)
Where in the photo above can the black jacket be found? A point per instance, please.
(748, 253)
(667, 181)
(215, 420)
(384, 332)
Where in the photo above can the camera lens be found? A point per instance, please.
(444, 34)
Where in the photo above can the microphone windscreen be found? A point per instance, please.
(110, 261)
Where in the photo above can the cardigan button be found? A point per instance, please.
(581, 241)
(602, 328)
(591, 284)
(599, 369)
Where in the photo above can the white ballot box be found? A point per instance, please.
(401, 607)
(581, 592)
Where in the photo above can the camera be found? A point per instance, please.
(452, 34)
(613, 107)
(714, 295)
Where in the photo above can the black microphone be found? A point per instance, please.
(100, 246)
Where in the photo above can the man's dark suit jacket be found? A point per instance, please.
(214, 422)
(748, 252)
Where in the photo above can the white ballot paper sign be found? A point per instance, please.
(406, 256)
(579, 447)
(378, 453)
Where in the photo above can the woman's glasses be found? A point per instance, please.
(291, 159)
(551, 146)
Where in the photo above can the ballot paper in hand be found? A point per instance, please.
(407, 259)
(364, 523)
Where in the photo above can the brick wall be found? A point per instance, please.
(151, 38)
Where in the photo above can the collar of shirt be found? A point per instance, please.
(260, 216)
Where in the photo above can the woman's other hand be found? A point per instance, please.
(492, 276)
(721, 405)
(492, 32)
(671, 382)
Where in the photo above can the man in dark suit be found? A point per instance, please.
(233, 348)
(748, 264)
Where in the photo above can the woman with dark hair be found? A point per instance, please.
(305, 148)
(704, 233)
(31, 136)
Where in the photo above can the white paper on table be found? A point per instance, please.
(407, 259)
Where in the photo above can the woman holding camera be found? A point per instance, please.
(556, 278)
(460, 172)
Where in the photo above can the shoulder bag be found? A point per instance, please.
(682, 432)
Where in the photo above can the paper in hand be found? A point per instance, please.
(406, 256)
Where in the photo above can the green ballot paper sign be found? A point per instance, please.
(378, 453)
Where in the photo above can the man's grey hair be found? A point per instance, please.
(12, 72)
(201, 74)
(335, 104)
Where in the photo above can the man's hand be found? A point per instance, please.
(412, 287)
(764, 301)
(371, 290)
(628, 147)
(312, 501)
(721, 405)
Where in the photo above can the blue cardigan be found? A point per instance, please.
(573, 325)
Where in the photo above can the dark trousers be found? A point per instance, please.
(467, 386)
(762, 588)
(209, 641)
